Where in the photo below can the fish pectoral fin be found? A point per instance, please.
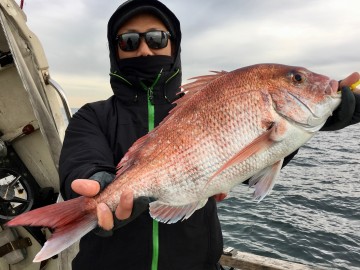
(258, 145)
(264, 181)
(166, 213)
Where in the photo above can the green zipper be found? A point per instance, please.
(151, 125)
(155, 257)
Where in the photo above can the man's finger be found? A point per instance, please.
(85, 187)
(124, 208)
(105, 216)
(349, 80)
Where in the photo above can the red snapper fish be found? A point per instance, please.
(227, 128)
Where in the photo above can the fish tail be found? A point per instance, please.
(71, 220)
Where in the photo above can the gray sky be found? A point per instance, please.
(321, 35)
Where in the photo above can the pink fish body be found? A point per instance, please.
(229, 127)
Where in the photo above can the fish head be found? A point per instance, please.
(304, 98)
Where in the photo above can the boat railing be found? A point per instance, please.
(62, 96)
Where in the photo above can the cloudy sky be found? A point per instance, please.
(321, 35)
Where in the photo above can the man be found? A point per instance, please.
(144, 41)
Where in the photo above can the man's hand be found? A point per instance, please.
(348, 112)
(349, 80)
(90, 188)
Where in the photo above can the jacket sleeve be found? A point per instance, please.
(289, 157)
(85, 150)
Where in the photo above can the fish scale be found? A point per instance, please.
(227, 128)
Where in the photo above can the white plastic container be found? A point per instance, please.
(8, 235)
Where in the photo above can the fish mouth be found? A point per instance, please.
(319, 113)
(334, 86)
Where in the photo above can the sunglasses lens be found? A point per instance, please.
(129, 41)
(156, 39)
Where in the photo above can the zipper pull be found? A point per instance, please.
(150, 89)
(151, 95)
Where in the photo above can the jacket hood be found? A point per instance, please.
(126, 11)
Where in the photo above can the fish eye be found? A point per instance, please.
(297, 78)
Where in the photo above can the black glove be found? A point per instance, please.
(140, 204)
(103, 178)
(348, 112)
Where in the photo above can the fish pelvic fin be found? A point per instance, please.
(166, 213)
(264, 181)
(71, 220)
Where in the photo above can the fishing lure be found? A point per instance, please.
(354, 85)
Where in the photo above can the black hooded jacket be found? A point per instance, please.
(99, 135)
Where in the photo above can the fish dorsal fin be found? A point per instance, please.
(264, 181)
(200, 82)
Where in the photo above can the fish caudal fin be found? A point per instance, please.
(65, 237)
(71, 220)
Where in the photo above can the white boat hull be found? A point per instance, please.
(32, 128)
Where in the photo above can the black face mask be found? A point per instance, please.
(127, 83)
(144, 68)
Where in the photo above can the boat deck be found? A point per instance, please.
(246, 261)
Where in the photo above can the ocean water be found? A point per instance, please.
(312, 216)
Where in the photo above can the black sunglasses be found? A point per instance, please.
(155, 39)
